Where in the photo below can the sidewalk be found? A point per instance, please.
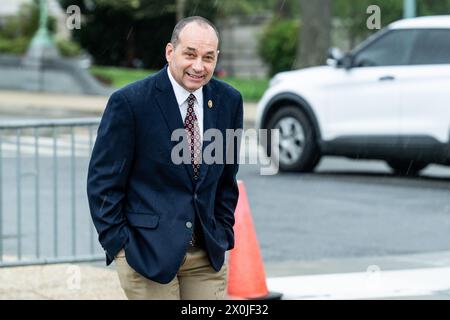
(30, 103)
(412, 276)
(60, 282)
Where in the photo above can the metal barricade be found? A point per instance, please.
(44, 213)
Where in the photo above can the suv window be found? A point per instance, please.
(393, 48)
(432, 47)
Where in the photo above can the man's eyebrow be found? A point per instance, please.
(193, 49)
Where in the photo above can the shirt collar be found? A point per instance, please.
(181, 94)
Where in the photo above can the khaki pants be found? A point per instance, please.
(196, 280)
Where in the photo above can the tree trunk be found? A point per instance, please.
(314, 35)
(282, 9)
(130, 49)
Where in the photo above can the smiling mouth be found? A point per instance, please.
(194, 76)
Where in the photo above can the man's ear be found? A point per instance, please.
(169, 52)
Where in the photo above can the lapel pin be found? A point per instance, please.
(210, 104)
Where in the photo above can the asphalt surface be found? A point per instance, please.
(349, 209)
(345, 209)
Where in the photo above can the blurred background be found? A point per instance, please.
(124, 40)
(60, 61)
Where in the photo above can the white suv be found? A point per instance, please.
(389, 99)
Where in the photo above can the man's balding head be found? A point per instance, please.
(185, 21)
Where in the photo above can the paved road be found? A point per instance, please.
(349, 209)
(345, 209)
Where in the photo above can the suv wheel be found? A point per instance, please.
(407, 167)
(298, 150)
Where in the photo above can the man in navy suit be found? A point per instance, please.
(168, 225)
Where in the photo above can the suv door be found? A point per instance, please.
(365, 99)
(425, 102)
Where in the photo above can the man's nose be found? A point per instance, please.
(198, 65)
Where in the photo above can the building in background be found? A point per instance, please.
(239, 46)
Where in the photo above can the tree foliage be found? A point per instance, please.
(278, 44)
(17, 31)
(353, 16)
(125, 32)
(135, 32)
(350, 16)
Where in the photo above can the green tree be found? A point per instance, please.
(278, 44)
(213, 10)
(353, 16)
(121, 32)
(433, 7)
(125, 32)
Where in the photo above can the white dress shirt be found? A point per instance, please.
(182, 94)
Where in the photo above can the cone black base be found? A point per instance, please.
(269, 296)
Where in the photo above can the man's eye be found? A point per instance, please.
(190, 55)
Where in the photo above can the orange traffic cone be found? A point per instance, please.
(246, 276)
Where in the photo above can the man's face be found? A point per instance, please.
(193, 60)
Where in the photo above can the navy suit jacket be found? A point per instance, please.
(139, 199)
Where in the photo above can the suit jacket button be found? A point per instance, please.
(189, 224)
(195, 196)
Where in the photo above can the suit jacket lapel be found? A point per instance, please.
(168, 105)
